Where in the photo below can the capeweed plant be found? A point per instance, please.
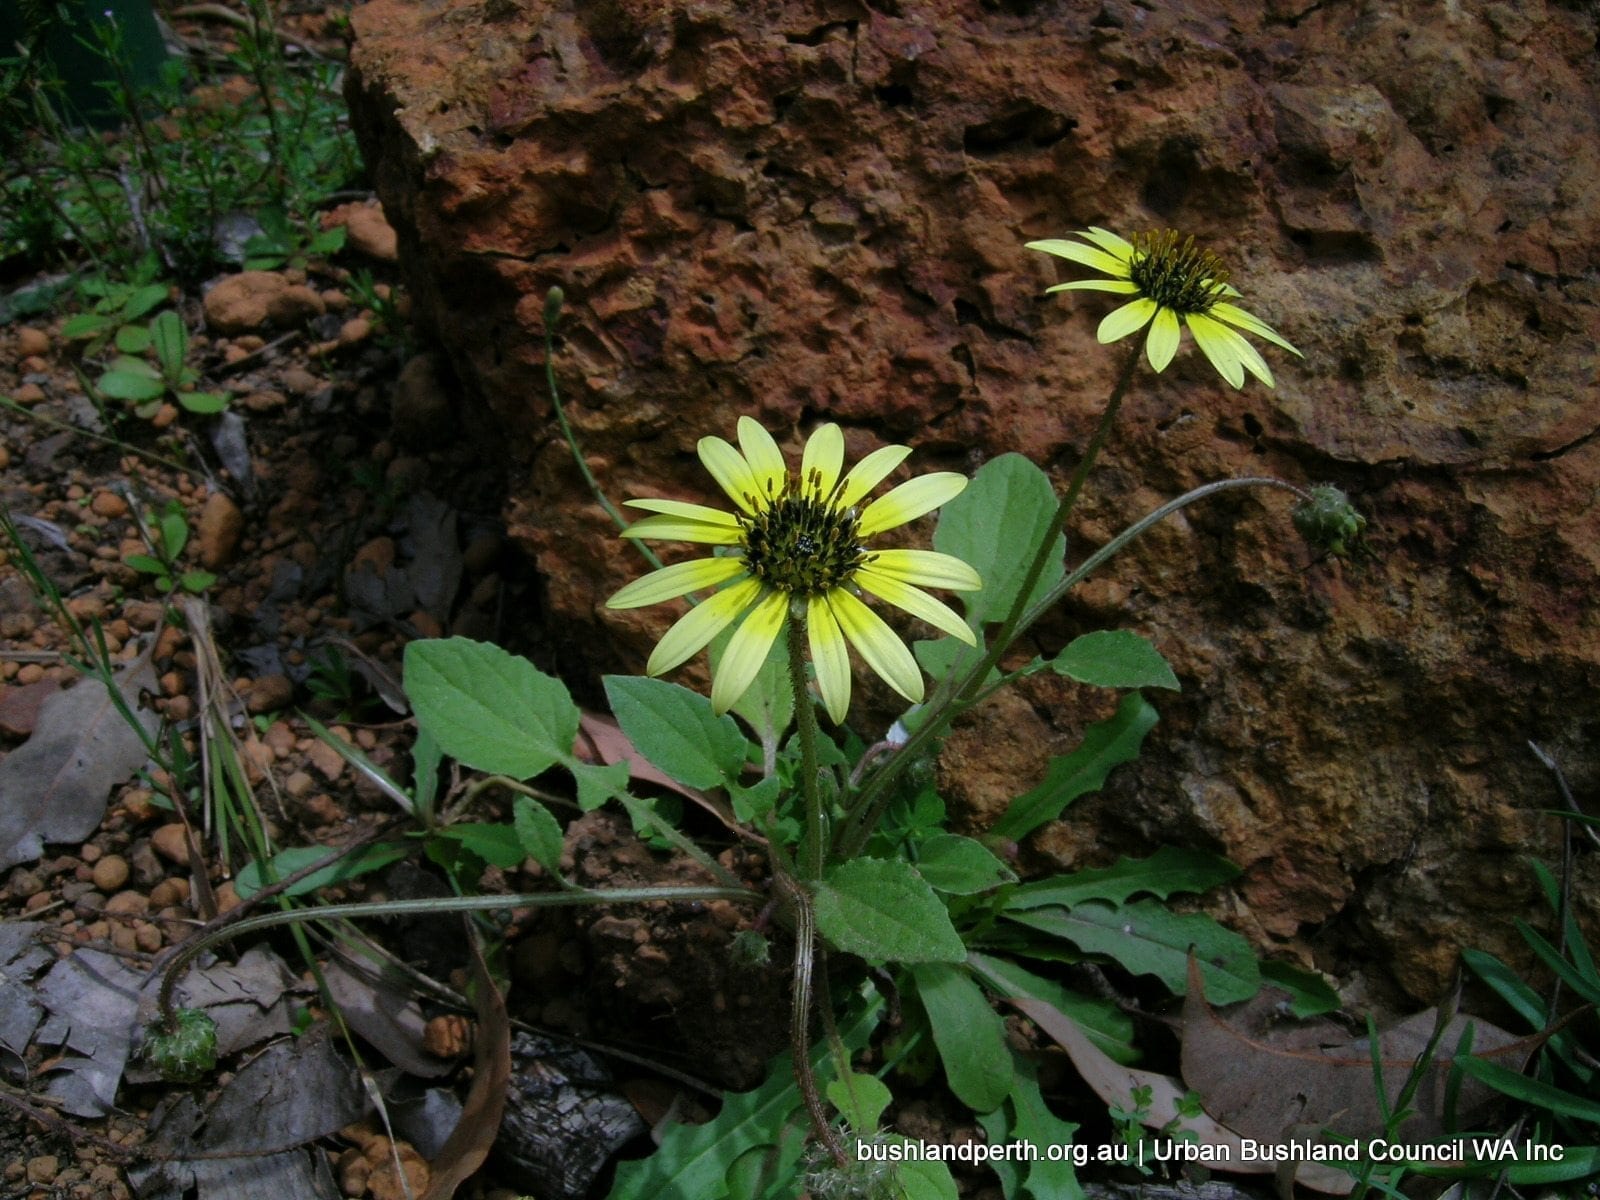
(859, 860)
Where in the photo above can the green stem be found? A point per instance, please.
(552, 311)
(874, 796)
(805, 717)
(428, 907)
(805, 948)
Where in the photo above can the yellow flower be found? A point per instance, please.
(797, 551)
(1169, 280)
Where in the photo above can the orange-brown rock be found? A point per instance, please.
(254, 300)
(817, 210)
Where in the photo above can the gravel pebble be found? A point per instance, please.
(269, 694)
(110, 873)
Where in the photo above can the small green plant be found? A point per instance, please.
(115, 304)
(282, 243)
(146, 384)
(166, 533)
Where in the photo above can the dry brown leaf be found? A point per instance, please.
(468, 1144)
(601, 740)
(1266, 1083)
(19, 705)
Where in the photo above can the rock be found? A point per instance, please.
(300, 381)
(328, 761)
(368, 231)
(269, 694)
(108, 504)
(420, 405)
(110, 872)
(253, 300)
(27, 394)
(266, 400)
(171, 843)
(218, 530)
(756, 210)
(32, 342)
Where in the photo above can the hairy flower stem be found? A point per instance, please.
(429, 907)
(805, 718)
(875, 795)
(805, 950)
(1012, 626)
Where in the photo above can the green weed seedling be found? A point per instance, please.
(167, 534)
(115, 304)
(146, 384)
(282, 243)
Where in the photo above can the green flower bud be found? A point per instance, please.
(1329, 522)
(187, 1053)
(750, 949)
(553, 300)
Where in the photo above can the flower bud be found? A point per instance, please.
(1329, 522)
(186, 1054)
(553, 300)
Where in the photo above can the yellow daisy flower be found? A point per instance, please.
(798, 552)
(1168, 280)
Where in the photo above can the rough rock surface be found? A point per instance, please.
(808, 210)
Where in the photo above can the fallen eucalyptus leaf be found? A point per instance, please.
(53, 788)
(93, 1001)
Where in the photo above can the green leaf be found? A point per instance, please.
(205, 403)
(1310, 994)
(1530, 1091)
(768, 703)
(1115, 658)
(196, 582)
(1106, 1025)
(1009, 504)
(924, 1179)
(1038, 1126)
(133, 339)
(882, 910)
(174, 533)
(960, 866)
(1149, 939)
(1587, 986)
(490, 709)
(949, 658)
(752, 803)
(1105, 745)
(693, 1162)
(146, 564)
(142, 300)
(86, 325)
(1508, 985)
(597, 784)
(1165, 872)
(127, 384)
(171, 341)
(676, 730)
(861, 1099)
(286, 862)
(425, 760)
(970, 1035)
(496, 844)
(539, 832)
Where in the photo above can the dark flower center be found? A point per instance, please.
(800, 544)
(1176, 275)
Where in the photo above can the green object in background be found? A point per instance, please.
(62, 34)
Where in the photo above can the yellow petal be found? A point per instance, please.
(1086, 256)
(869, 473)
(1108, 241)
(1211, 337)
(1130, 318)
(830, 656)
(928, 568)
(877, 644)
(700, 624)
(747, 651)
(732, 473)
(670, 528)
(677, 580)
(1162, 343)
(910, 500)
(1235, 315)
(822, 460)
(695, 512)
(916, 602)
(765, 459)
(1122, 287)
